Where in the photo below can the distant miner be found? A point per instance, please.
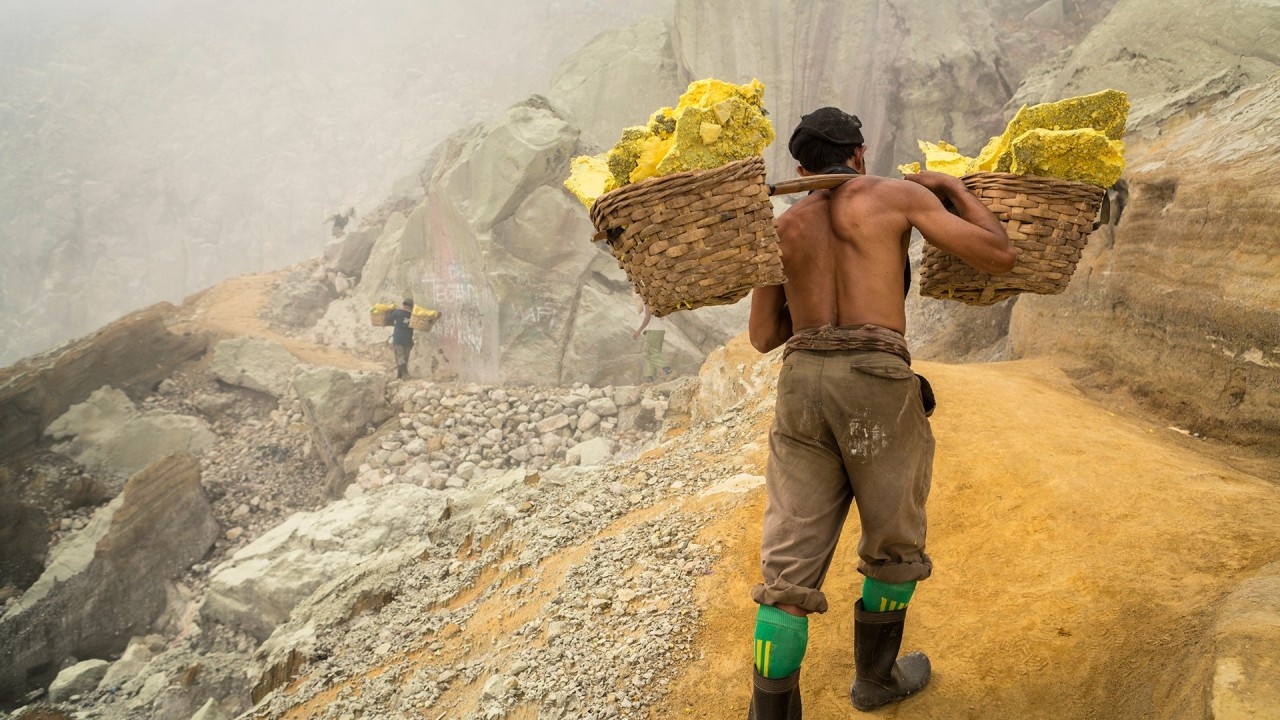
(340, 221)
(402, 336)
(654, 330)
(850, 421)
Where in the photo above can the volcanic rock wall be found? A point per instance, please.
(1179, 300)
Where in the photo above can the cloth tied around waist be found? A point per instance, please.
(849, 337)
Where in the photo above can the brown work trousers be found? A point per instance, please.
(848, 428)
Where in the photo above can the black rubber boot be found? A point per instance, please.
(882, 677)
(775, 698)
(402, 371)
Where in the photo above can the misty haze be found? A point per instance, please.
(589, 360)
(153, 148)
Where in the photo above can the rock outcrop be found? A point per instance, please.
(107, 433)
(257, 588)
(617, 80)
(132, 354)
(79, 679)
(505, 256)
(106, 583)
(254, 364)
(908, 70)
(341, 404)
(1176, 299)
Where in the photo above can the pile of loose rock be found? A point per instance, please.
(602, 637)
(449, 434)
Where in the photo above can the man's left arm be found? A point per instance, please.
(770, 323)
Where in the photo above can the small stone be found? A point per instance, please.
(234, 533)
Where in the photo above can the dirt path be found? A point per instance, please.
(231, 308)
(1079, 555)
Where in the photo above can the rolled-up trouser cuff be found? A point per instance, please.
(781, 592)
(894, 573)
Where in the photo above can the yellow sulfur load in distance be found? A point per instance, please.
(1074, 139)
(424, 312)
(714, 123)
(382, 308)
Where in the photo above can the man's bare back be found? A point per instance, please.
(844, 250)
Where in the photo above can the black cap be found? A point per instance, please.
(831, 125)
(408, 301)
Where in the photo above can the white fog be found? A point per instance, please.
(154, 148)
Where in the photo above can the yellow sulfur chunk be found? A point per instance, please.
(986, 160)
(421, 311)
(662, 122)
(1086, 156)
(708, 93)
(655, 148)
(714, 123)
(744, 134)
(589, 177)
(739, 112)
(382, 307)
(626, 154)
(943, 157)
(1107, 112)
(909, 168)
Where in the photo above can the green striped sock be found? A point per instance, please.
(884, 597)
(781, 640)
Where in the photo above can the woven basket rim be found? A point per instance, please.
(605, 202)
(1052, 183)
(675, 177)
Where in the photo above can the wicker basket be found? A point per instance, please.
(422, 322)
(1047, 219)
(693, 239)
(380, 318)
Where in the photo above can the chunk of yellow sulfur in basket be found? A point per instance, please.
(626, 154)
(651, 153)
(382, 307)
(425, 312)
(944, 157)
(714, 123)
(909, 168)
(1086, 156)
(1106, 112)
(589, 177)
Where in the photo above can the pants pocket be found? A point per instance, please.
(882, 365)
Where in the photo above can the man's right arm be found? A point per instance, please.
(770, 323)
(976, 236)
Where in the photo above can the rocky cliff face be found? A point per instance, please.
(1177, 300)
(487, 235)
(908, 70)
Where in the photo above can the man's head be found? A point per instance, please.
(825, 137)
(408, 302)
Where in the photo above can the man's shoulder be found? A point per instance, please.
(877, 184)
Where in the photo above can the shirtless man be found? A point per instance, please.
(849, 424)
